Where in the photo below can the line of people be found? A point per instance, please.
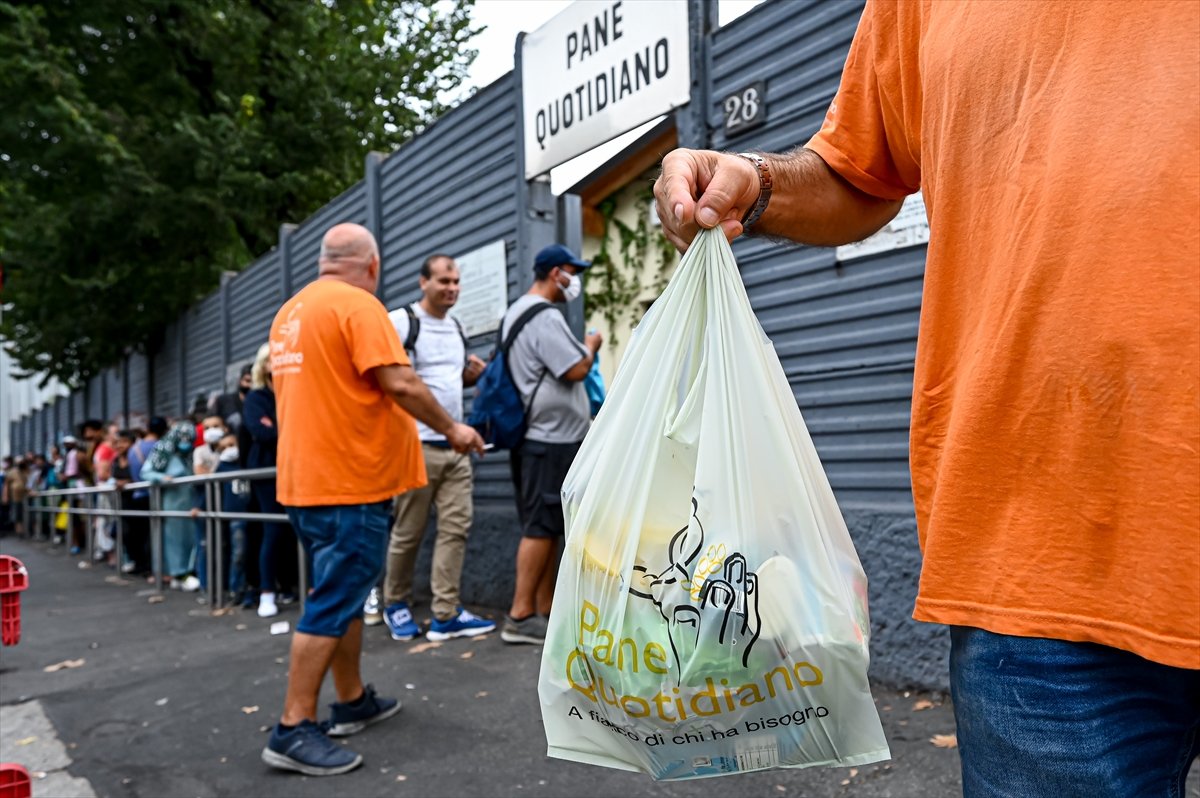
(234, 431)
(240, 430)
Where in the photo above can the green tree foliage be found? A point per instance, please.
(146, 146)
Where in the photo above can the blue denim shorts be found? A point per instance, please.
(347, 549)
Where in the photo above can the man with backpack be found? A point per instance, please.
(437, 345)
(547, 366)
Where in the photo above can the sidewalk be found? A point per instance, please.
(171, 701)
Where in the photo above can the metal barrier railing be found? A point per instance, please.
(46, 504)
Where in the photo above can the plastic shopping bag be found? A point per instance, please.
(710, 615)
(594, 384)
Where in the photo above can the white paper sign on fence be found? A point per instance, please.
(483, 275)
(910, 228)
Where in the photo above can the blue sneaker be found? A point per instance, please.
(305, 749)
(400, 623)
(465, 624)
(353, 717)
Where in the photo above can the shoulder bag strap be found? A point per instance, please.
(414, 329)
(507, 343)
(520, 323)
(462, 333)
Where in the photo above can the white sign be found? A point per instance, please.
(483, 298)
(910, 228)
(597, 70)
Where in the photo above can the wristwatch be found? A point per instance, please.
(765, 184)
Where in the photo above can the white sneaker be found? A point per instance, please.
(266, 606)
(372, 614)
(190, 584)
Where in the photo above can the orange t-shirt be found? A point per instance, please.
(342, 440)
(1055, 438)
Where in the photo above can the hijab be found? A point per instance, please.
(183, 433)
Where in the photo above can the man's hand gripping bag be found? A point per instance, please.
(710, 615)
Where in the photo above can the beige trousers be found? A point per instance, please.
(449, 490)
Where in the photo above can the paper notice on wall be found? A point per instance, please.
(910, 228)
(483, 298)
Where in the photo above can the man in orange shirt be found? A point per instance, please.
(341, 378)
(1055, 435)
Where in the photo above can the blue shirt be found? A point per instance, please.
(138, 454)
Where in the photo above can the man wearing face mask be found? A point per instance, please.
(548, 367)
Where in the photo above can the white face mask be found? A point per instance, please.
(572, 289)
(213, 436)
(229, 455)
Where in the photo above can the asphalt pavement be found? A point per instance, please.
(159, 696)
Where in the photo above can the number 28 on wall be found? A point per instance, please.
(746, 108)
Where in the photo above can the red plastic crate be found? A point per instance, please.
(13, 579)
(15, 781)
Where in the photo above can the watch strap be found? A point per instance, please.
(765, 184)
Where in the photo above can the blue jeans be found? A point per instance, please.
(201, 553)
(201, 568)
(347, 546)
(275, 537)
(236, 553)
(1051, 718)
(233, 555)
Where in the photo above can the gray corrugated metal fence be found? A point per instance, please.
(94, 397)
(139, 387)
(166, 367)
(254, 296)
(305, 241)
(114, 392)
(205, 372)
(78, 409)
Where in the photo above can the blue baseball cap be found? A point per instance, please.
(557, 255)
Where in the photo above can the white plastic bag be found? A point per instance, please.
(710, 615)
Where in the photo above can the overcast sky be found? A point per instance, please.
(506, 18)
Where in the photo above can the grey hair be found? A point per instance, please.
(359, 252)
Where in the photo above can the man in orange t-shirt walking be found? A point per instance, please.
(341, 378)
(1055, 434)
